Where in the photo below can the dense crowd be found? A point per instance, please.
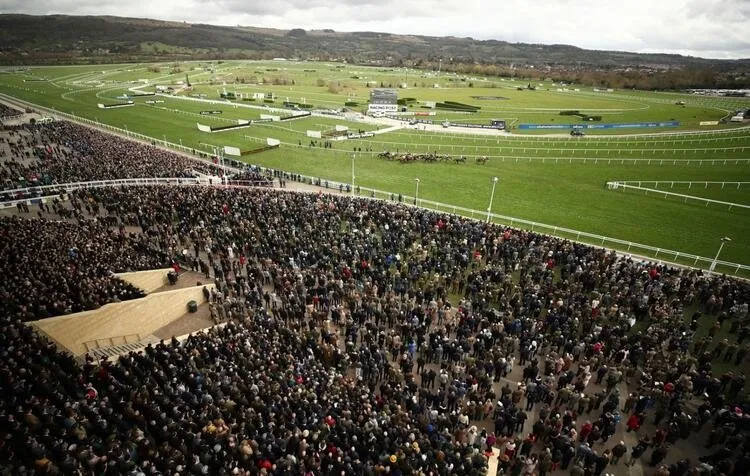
(347, 351)
(251, 176)
(56, 267)
(62, 152)
(65, 266)
(7, 111)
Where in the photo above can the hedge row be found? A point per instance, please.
(233, 126)
(456, 106)
(584, 117)
(405, 101)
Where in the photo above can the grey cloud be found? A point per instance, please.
(711, 28)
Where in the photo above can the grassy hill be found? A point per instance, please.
(109, 39)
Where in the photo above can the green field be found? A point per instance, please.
(547, 178)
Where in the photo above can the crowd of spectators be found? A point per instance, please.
(367, 337)
(61, 152)
(7, 111)
(52, 268)
(253, 177)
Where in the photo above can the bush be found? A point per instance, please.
(569, 113)
(351, 104)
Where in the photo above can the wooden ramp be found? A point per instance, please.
(119, 323)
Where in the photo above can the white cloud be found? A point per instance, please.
(707, 28)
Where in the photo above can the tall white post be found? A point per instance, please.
(354, 156)
(416, 190)
(716, 258)
(492, 196)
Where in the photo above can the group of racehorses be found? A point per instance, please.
(429, 158)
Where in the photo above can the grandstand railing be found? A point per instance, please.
(9, 198)
(10, 118)
(25, 194)
(623, 186)
(111, 341)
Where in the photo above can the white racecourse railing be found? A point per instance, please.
(623, 186)
(672, 183)
(659, 254)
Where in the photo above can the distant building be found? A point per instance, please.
(382, 101)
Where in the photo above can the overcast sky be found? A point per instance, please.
(706, 28)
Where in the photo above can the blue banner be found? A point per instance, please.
(494, 125)
(627, 125)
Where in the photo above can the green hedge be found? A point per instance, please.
(405, 101)
(456, 106)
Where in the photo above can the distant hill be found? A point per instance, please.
(60, 38)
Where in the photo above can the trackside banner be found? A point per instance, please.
(627, 125)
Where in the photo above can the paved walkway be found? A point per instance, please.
(187, 324)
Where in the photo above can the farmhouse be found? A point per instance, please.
(382, 101)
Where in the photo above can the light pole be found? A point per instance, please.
(354, 156)
(492, 196)
(716, 258)
(416, 190)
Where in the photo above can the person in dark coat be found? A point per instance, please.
(658, 455)
(637, 451)
(618, 451)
